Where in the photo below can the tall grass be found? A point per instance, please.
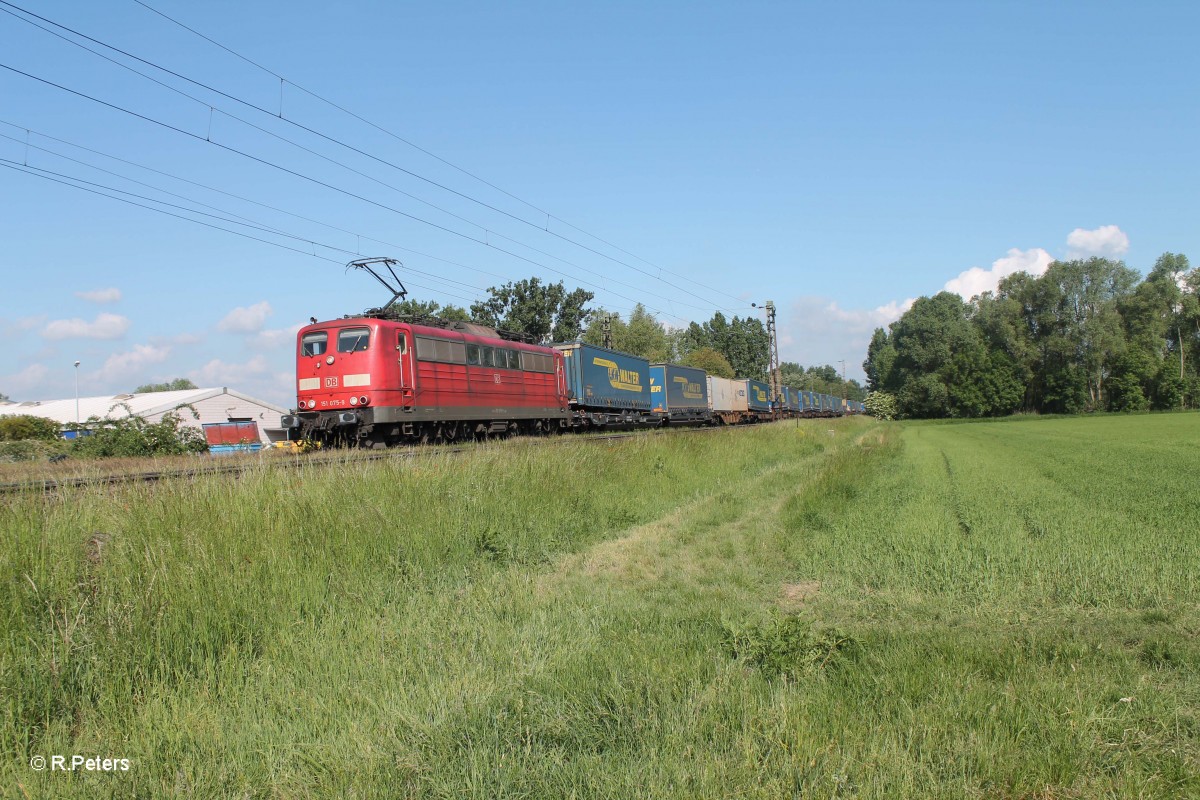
(240, 631)
(830, 609)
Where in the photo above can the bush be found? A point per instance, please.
(132, 436)
(30, 450)
(881, 405)
(27, 427)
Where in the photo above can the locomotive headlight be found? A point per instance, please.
(353, 401)
(362, 401)
(329, 360)
(312, 403)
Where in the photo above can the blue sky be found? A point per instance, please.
(838, 158)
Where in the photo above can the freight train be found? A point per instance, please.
(375, 381)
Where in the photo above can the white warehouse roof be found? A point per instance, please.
(213, 405)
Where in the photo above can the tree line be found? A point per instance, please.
(1087, 335)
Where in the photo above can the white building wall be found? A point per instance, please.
(224, 408)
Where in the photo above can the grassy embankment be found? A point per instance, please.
(1001, 609)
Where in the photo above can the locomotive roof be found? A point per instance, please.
(437, 328)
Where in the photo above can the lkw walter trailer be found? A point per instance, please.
(679, 394)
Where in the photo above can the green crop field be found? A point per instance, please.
(830, 608)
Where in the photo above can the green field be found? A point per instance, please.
(818, 609)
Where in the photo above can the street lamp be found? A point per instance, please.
(76, 393)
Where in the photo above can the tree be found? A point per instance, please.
(1085, 335)
(791, 374)
(642, 335)
(743, 342)
(429, 308)
(710, 361)
(693, 337)
(3, 397)
(177, 385)
(645, 336)
(598, 319)
(543, 312)
(881, 355)
(940, 360)
(1085, 318)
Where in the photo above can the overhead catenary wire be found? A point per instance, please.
(361, 236)
(254, 225)
(13, 165)
(246, 221)
(334, 140)
(485, 241)
(330, 186)
(429, 153)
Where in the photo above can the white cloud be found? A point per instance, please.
(272, 379)
(105, 326)
(246, 320)
(978, 280)
(817, 314)
(23, 382)
(221, 373)
(140, 356)
(1107, 241)
(22, 324)
(101, 296)
(819, 331)
(277, 337)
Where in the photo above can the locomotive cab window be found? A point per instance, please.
(402, 343)
(314, 344)
(487, 357)
(512, 357)
(473, 355)
(353, 340)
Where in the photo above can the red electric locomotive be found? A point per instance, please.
(372, 382)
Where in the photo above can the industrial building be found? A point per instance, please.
(219, 405)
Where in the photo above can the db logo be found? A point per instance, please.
(496, 377)
(331, 382)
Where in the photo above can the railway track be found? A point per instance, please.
(52, 485)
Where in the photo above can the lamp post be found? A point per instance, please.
(76, 392)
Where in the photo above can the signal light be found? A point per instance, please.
(362, 401)
(353, 401)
